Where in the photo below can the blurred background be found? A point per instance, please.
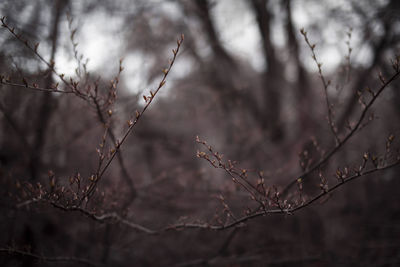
(245, 82)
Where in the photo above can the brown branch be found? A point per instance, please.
(106, 122)
(348, 136)
(34, 87)
(111, 217)
(39, 257)
(239, 177)
(51, 65)
(239, 222)
(133, 123)
(114, 218)
(378, 50)
(325, 85)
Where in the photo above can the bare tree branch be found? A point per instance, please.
(39, 257)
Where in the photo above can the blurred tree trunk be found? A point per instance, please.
(224, 67)
(273, 78)
(215, 43)
(302, 84)
(225, 76)
(48, 102)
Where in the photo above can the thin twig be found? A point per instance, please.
(138, 115)
(347, 137)
(290, 210)
(325, 85)
(39, 257)
(73, 86)
(115, 218)
(33, 87)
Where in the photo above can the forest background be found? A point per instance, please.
(185, 133)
